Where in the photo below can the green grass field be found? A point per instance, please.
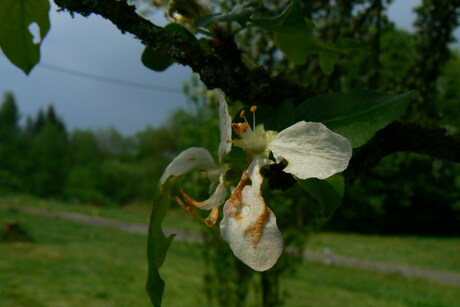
(71, 264)
(422, 252)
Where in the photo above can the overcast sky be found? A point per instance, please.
(95, 46)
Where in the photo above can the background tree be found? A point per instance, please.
(85, 180)
(48, 156)
(11, 146)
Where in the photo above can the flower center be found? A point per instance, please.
(253, 140)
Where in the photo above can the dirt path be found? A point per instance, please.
(327, 258)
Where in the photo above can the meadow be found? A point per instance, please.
(71, 264)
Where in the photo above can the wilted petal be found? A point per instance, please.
(311, 150)
(215, 200)
(190, 159)
(249, 226)
(218, 197)
(225, 128)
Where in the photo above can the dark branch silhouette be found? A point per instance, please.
(409, 137)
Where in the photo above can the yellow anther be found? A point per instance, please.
(253, 108)
(242, 114)
(240, 128)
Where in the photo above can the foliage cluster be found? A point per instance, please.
(103, 168)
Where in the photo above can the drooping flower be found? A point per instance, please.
(311, 150)
(249, 226)
(197, 158)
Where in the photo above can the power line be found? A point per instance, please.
(111, 80)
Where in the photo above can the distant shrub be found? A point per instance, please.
(14, 231)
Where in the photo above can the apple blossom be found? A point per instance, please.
(310, 149)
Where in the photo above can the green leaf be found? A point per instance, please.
(327, 60)
(328, 193)
(155, 60)
(208, 19)
(297, 48)
(294, 47)
(183, 32)
(240, 14)
(291, 22)
(293, 35)
(157, 246)
(356, 116)
(16, 41)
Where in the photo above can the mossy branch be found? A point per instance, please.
(223, 70)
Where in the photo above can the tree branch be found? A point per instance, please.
(222, 70)
(409, 137)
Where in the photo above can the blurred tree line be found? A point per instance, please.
(97, 167)
(102, 168)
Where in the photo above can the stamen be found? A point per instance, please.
(213, 217)
(253, 110)
(188, 207)
(240, 128)
(233, 205)
(192, 202)
(242, 114)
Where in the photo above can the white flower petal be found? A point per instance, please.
(249, 226)
(190, 159)
(217, 198)
(257, 248)
(214, 177)
(225, 128)
(311, 150)
(254, 170)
